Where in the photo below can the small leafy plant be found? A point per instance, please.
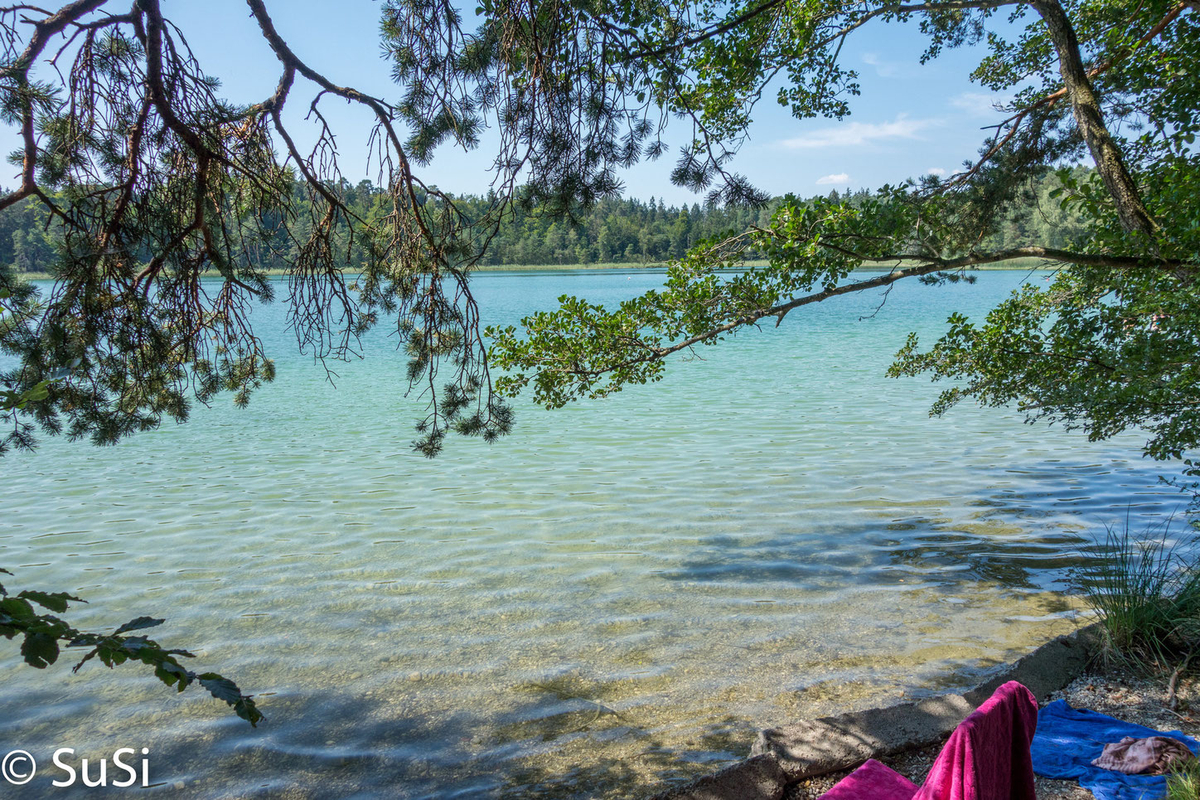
(43, 636)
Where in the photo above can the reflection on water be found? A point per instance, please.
(614, 598)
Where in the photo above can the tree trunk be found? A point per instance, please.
(1086, 107)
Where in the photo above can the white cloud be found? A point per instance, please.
(829, 180)
(938, 171)
(883, 67)
(979, 104)
(855, 134)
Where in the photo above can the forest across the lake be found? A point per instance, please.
(614, 232)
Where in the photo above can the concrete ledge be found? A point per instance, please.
(783, 755)
(814, 747)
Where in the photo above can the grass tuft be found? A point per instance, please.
(1147, 595)
(1183, 781)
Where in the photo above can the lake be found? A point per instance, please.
(613, 598)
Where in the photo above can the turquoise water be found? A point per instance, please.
(613, 598)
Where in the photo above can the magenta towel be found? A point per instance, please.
(872, 780)
(987, 756)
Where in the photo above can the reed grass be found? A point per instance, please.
(1147, 595)
(1183, 781)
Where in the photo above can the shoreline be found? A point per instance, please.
(1033, 265)
(803, 758)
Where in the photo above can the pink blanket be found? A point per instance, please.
(874, 780)
(986, 758)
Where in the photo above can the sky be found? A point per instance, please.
(911, 119)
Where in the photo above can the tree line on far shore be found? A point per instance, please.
(614, 231)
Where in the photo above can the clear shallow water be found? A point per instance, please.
(616, 596)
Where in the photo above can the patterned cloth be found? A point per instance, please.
(1153, 755)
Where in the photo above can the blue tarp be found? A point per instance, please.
(1067, 740)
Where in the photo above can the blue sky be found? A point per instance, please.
(910, 119)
